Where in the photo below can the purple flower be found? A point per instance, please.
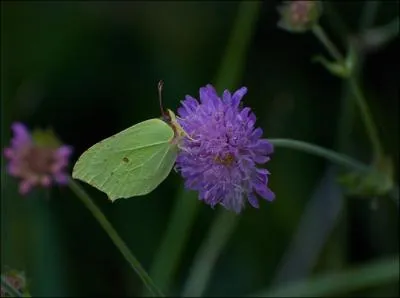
(36, 163)
(220, 158)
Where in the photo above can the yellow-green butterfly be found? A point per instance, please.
(134, 161)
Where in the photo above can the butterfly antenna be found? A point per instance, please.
(160, 87)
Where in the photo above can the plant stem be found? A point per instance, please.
(365, 112)
(355, 89)
(176, 235)
(331, 155)
(335, 157)
(112, 233)
(329, 45)
(200, 272)
(234, 57)
(173, 242)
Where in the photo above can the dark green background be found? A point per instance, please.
(90, 69)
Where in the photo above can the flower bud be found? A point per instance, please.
(298, 16)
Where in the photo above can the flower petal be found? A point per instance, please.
(264, 191)
(13, 169)
(25, 186)
(61, 178)
(21, 134)
(182, 112)
(226, 97)
(64, 152)
(253, 200)
(263, 146)
(256, 134)
(208, 94)
(45, 181)
(238, 95)
(8, 153)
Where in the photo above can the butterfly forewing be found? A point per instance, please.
(130, 163)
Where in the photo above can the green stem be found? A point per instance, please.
(355, 88)
(334, 157)
(177, 233)
(331, 155)
(329, 45)
(200, 272)
(366, 276)
(234, 57)
(9, 289)
(166, 260)
(367, 117)
(112, 233)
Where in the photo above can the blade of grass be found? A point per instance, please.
(177, 233)
(47, 252)
(377, 37)
(315, 226)
(228, 75)
(369, 275)
(200, 272)
(112, 233)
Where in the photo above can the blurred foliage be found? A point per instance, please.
(90, 69)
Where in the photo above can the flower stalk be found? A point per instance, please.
(116, 239)
(372, 131)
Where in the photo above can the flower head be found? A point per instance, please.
(220, 158)
(38, 159)
(298, 16)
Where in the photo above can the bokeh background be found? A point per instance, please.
(90, 69)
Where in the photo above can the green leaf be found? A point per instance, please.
(337, 69)
(371, 183)
(130, 163)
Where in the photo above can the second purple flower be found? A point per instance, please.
(37, 159)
